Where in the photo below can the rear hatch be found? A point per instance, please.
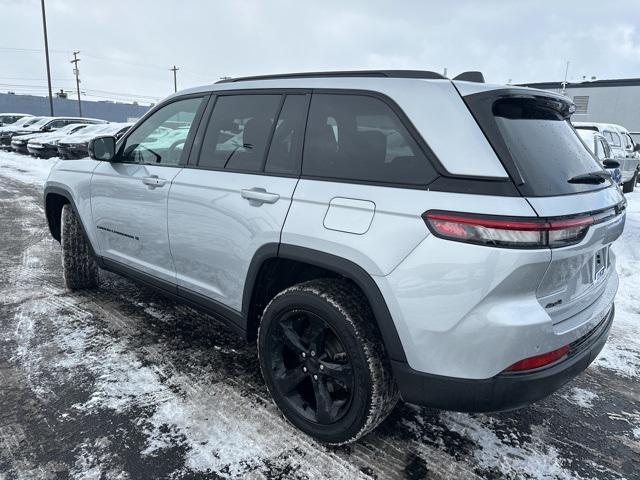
(561, 180)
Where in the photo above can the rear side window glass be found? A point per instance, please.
(359, 137)
(286, 144)
(238, 132)
(544, 146)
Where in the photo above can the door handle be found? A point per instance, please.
(152, 181)
(258, 196)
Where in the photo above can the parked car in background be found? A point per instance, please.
(76, 146)
(49, 124)
(46, 145)
(7, 132)
(10, 118)
(622, 147)
(602, 151)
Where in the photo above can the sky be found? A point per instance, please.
(127, 47)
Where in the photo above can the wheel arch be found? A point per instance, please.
(54, 199)
(320, 264)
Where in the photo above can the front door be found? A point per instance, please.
(129, 195)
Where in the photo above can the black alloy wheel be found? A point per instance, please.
(311, 368)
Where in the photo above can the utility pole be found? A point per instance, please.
(76, 72)
(46, 54)
(175, 80)
(564, 84)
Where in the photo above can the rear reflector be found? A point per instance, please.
(539, 360)
(507, 231)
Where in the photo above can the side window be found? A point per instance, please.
(286, 144)
(628, 143)
(56, 124)
(613, 138)
(358, 137)
(160, 138)
(238, 131)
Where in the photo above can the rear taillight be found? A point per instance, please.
(539, 360)
(508, 231)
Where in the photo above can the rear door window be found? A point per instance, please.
(544, 147)
(238, 132)
(286, 144)
(360, 138)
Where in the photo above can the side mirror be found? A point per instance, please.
(610, 163)
(46, 128)
(636, 147)
(102, 148)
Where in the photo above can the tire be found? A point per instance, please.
(630, 185)
(353, 378)
(79, 267)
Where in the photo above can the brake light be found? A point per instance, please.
(507, 231)
(539, 360)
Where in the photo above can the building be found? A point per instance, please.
(607, 101)
(105, 110)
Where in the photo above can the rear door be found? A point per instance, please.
(129, 195)
(235, 194)
(364, 183)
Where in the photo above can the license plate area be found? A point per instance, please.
(600, 263)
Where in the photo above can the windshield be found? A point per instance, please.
(28, 121)
(587, 138)
(39, 122)
(544, 147)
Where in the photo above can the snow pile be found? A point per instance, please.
(622, 351)
(25, 168)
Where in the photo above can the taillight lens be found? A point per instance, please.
(507, 231)
(539, 360)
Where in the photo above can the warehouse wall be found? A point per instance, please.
(35, 105)
(608, 104)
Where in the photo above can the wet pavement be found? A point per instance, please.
(121, 383)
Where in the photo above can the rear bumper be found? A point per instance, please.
(504, 391)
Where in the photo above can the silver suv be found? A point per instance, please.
(380, 234)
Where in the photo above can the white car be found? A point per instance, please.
(624, 149)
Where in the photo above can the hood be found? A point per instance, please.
(24, 137)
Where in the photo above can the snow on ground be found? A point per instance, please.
(119, 383)
(25, 168)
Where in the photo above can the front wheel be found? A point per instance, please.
(323, 360)
(79, 268)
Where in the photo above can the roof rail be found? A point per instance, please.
(471, 76)
(356, 73)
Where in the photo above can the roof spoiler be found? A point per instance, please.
(472, 76)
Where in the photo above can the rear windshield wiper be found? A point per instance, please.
(591, 177)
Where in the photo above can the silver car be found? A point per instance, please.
(380, 234)
(623, 147)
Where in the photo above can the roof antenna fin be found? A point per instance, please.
(472, 76)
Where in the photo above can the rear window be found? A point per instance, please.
(543, 145)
